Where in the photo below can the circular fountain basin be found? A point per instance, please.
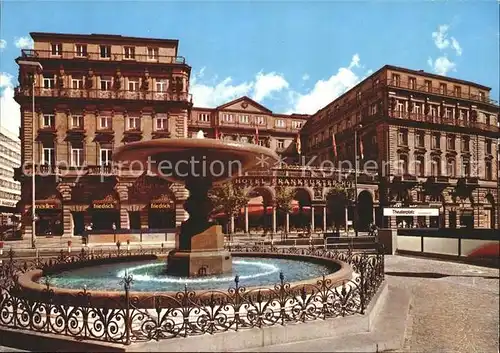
(190, 157)
(150, 276)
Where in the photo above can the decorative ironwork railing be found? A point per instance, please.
(128, 317)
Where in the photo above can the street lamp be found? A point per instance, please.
(32, 68)
(356, 165)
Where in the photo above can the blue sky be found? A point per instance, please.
(290, 56)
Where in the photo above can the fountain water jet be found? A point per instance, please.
(199, 247)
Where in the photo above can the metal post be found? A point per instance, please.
(355, 213)
(33, 212)
(31, 68)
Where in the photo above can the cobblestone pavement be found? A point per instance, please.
(454, 307)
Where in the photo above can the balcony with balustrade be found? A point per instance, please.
(442, 120)
(98, 57)
(465, 96)
(96, 94)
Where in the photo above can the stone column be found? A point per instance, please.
(124, 218)
(181, 214)
(26, 225)
(287, 223)
(67, 218)
(346, 218)
(392, 222)
(274, 219)
(312, 218)
(144, 214)
(246, 219)
(324, 219)
(68, 226)
(122, 190)
(181, 195)
(231, 229)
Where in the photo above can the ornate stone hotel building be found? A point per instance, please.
(429, 140)
(97, 92)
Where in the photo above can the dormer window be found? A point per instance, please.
(81, 50)
(152, 53)
(129, 52)
(204, 117)
(442, 88)
(105, 51)
(56, 49)
(428, 85)
(413, 83)
(396, 80)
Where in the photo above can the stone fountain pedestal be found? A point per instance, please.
(205, 257)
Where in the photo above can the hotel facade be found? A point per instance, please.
(10, 190)
(97, 92)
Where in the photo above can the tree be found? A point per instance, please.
(284, 198)
(336, 200)
(228, 199)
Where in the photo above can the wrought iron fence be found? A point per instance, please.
(129, 317)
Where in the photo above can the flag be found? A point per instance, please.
(299, 146)
(334, 145)
(216, 133)
(256, 135)
(361, 149)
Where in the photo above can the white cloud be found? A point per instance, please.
(3, 43)
(325, 91)
(10, 115)
(266, 84)
(205, 95)
(440, 37)
(442, 65)
(263, 85)
(456, 45)
(217, 93)
(24, 43)
(306, 77)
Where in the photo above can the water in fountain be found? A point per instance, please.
(151, 275)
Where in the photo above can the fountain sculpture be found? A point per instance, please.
(199, 164)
